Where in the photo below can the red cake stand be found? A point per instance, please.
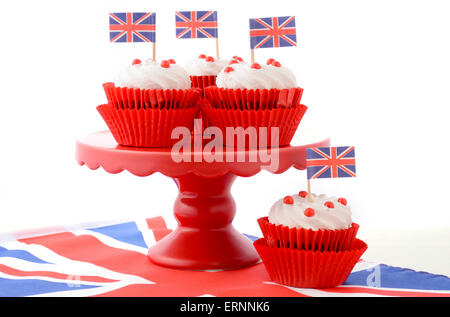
(205, 238)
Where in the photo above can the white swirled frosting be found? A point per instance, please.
(203, 66)
(324, 218)
(151, 75)
(245, 76)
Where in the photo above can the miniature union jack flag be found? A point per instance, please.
(132, 27)
(330, 162)
(196, 24)
(273, 32)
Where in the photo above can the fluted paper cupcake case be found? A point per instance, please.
(309, 269)
(286, 119)
(202, 82)
(307, 239)
(253, 99)
(146, 127)
(135, 98)
(204, 123)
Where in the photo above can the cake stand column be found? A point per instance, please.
(205, 238)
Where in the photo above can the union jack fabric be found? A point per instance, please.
(273, 32)
(132, 27)
(330, 162)
(196, 24)
(111, 260)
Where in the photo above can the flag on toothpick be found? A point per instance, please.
(132, 27)
(197, 25)
(330, 162)
(272, 32)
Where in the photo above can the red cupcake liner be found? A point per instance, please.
(204, 122)
(307, 239)
(285, 119)
(202, 82)
(146, 127)
(253, 99)
(135, 98)
(309, 269)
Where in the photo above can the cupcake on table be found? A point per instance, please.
(256, 95)
(147, 100)
(309, 241)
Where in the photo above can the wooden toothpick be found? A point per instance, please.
(154, 52)
(217, 48)
(309, 191)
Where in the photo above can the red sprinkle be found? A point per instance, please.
(288, 200)
(136, 61)
(276, 64)
(172, 61)
(233, 61)
(165, 64)
(303, 194)
(343, 201)
(228, 69)
(270, 61)
(329, 204)
(202, 56)
(309, 212)
(255, 66)
(209, 59)
(238, 58)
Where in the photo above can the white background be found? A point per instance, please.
(376, 75)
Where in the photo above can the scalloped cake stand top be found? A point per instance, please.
(100, 149)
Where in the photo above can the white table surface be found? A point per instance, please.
(418, 249)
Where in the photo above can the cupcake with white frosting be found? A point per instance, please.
(147, 100)
(205, 66)
(315, 222)
(153, 75)
(151, 85)
(256, 95)
(256, 76)
(255, 86)
(203, 70)
(309, 241)
(316, 212)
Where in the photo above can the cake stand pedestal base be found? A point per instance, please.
(205, 238)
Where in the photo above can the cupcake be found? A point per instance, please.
(255, 95)
(317, 223)
(147, 101)
(309, 241)
(204, 69)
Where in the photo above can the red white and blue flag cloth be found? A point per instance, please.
(196, 24)
(330, 162)
(273, 32)
(126, 27)
(111, 260)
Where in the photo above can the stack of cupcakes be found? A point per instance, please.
(255, 95)
(147, 101)
(309, 241)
